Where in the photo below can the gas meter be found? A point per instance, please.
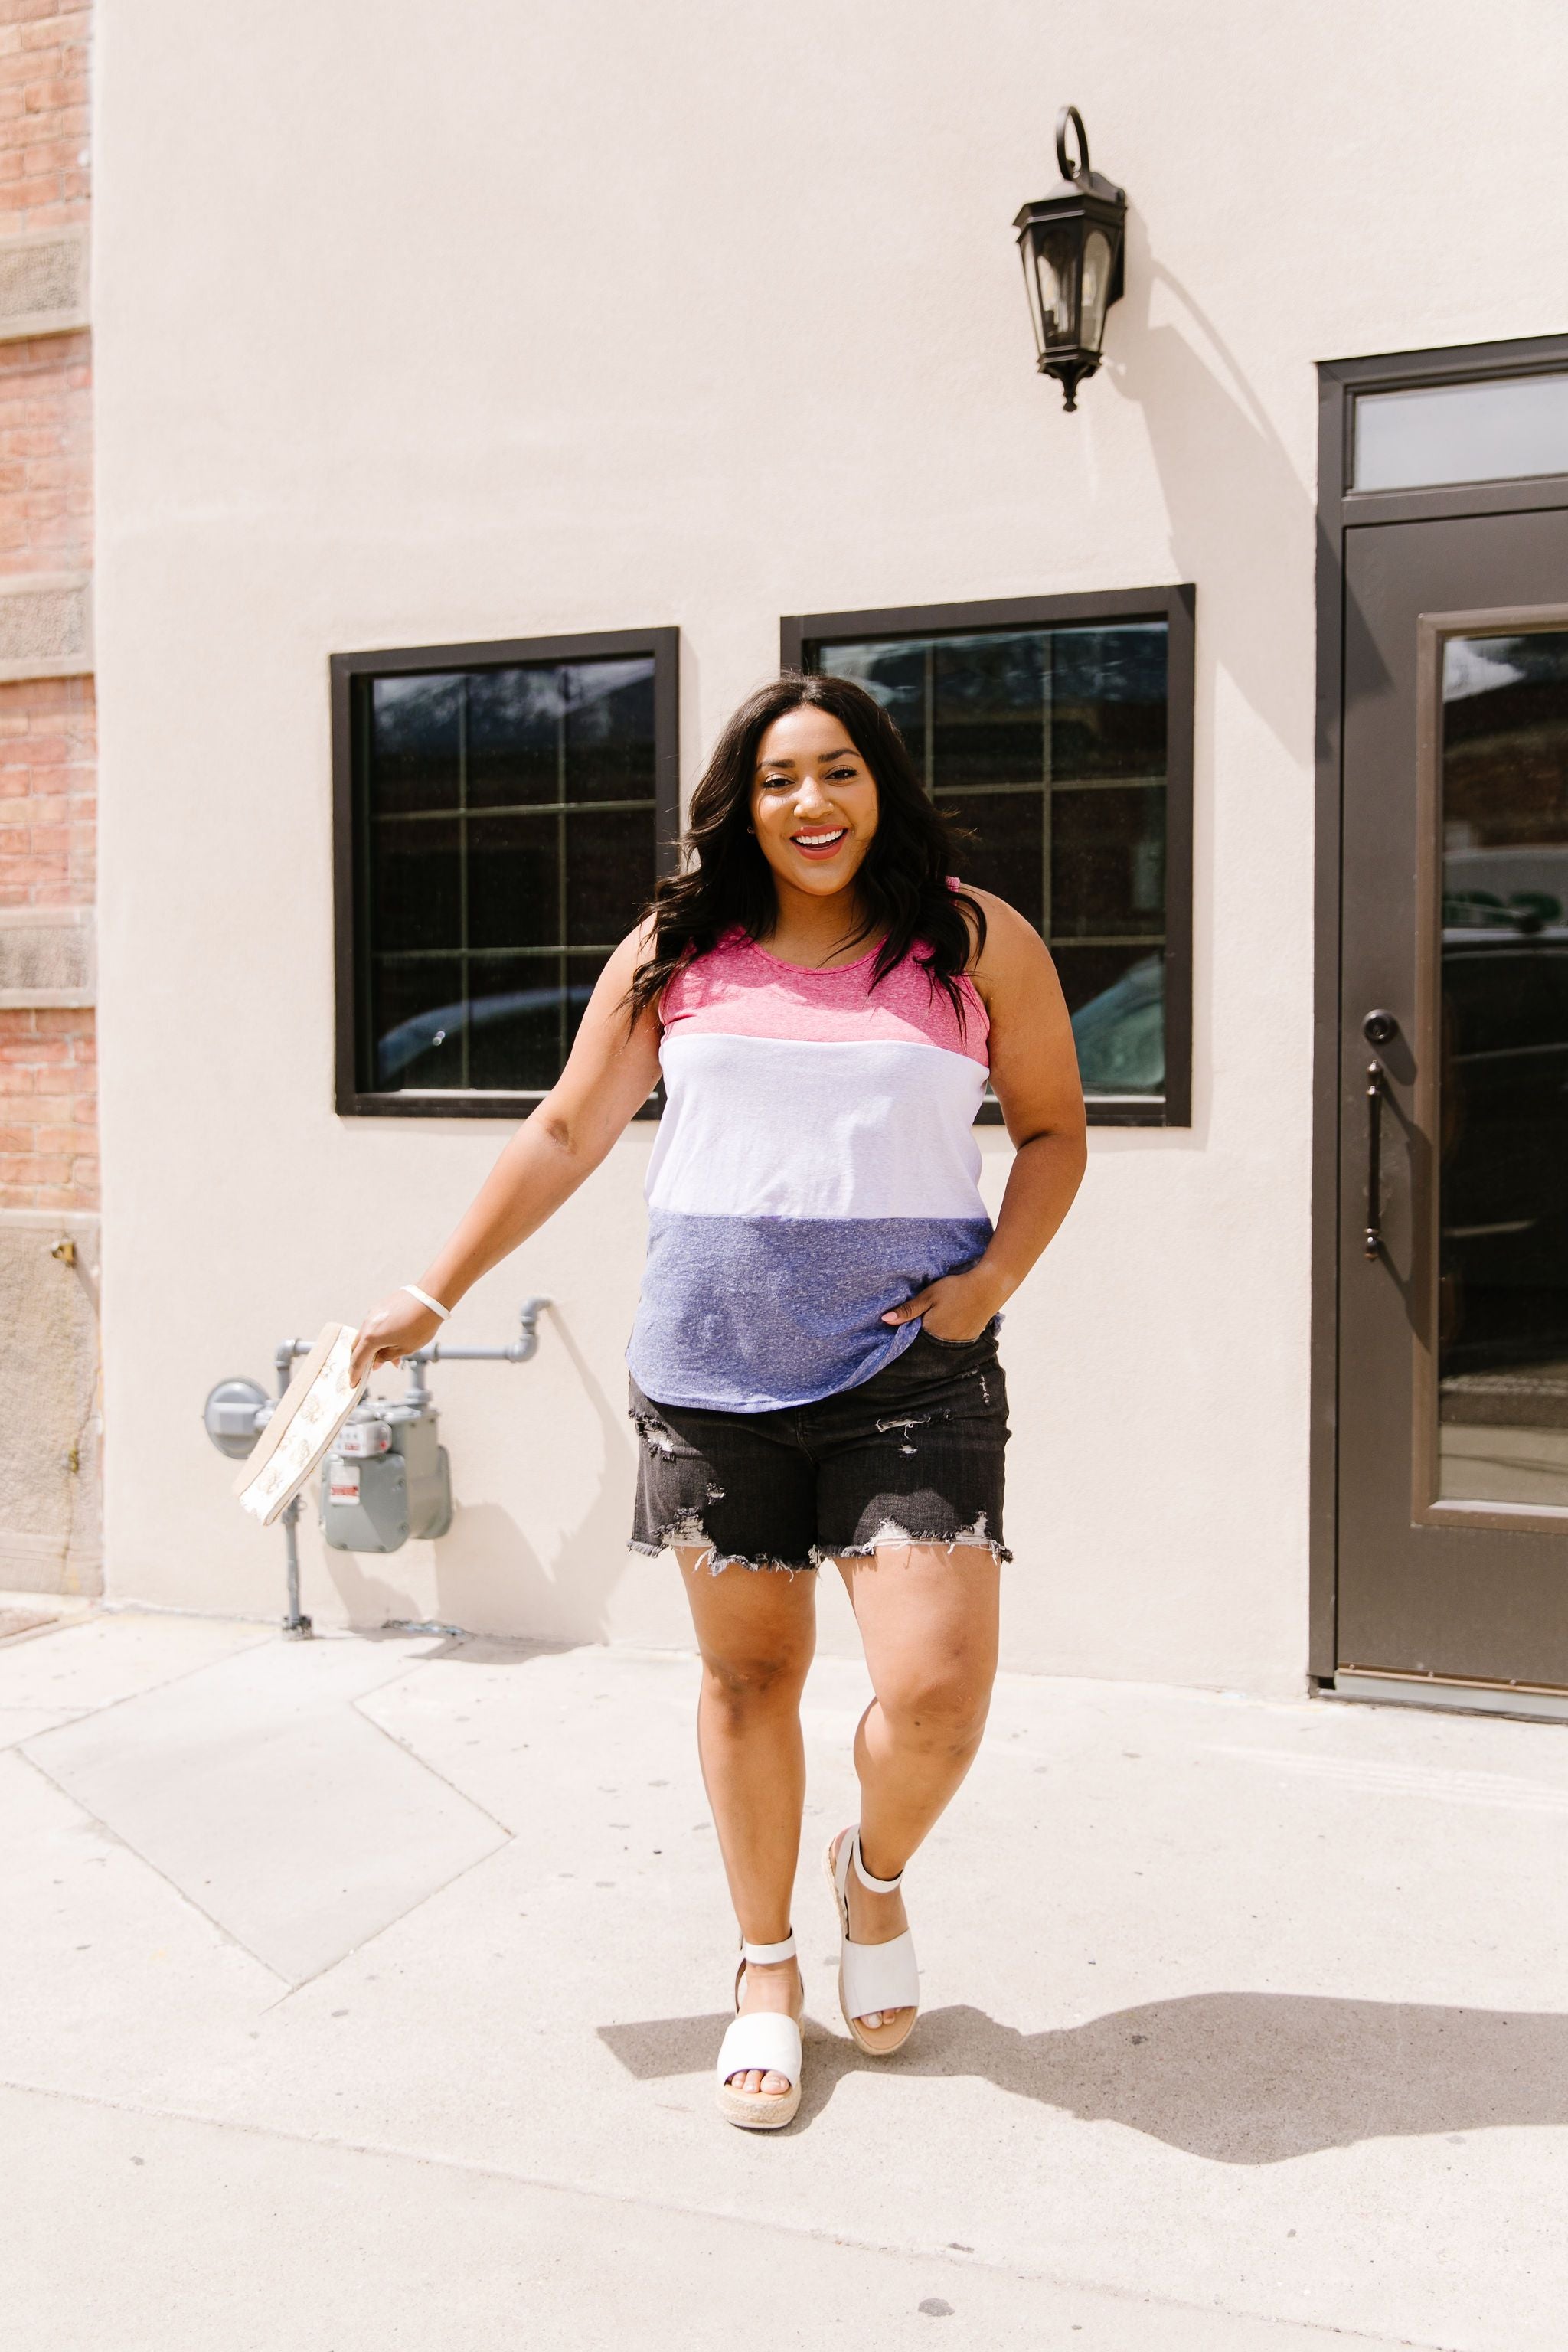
(386, 1479)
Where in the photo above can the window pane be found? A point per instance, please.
(1116, 997)
(416, 1023)
(609, 730)
(495, 868)
(1505, 775)
(1046, 750)
(1006, 850)
(988, 711)
(416, 883)
(514, 1037)
(1107, 701)
(895, 676)
(514, 736)
(1108, 860)
(1505, 996)
(1502, 1320)
(414, 734)
(514, 890)
(582, 973)
(1492, 432)
(609, 873)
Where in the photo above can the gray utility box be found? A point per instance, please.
(386, 1479)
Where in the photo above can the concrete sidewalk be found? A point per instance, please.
(364, 1992)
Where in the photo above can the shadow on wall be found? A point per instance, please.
(489, 1575)
(1236, 503)
(1233, 2078)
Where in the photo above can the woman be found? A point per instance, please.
(814, 1362)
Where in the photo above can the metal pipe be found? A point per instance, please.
(294, 1622)
(445, 1351)
(416, 1398)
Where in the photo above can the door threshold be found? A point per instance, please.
(1396, 1689)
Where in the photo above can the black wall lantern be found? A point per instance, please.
(1071, 243)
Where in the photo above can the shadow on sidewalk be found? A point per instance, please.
(1237, 2077)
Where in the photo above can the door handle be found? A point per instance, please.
(1378, 1029)
(1374, 1157)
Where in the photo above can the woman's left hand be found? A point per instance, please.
(956, 1308)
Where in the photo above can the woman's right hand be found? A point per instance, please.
(391, 1332)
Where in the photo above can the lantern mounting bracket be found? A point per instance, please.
(1079, 171)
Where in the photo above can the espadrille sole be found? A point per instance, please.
(758, 2110)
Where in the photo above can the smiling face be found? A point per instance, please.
(814, 803)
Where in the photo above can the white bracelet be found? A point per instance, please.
(425, 1300)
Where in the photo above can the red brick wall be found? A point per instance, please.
(43, 112)
(49, 1154)
(48, 1110)
(46, 452)
(47, 788)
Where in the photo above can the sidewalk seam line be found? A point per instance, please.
(108, 1705)
(301, 1984)
(108, 1831)
(413, 1754)
(290, 1984)
(474, 2169)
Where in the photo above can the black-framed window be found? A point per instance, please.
(502, 812)
(1057, 733)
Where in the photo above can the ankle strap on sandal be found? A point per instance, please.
(764, 1953)
(872, 1885)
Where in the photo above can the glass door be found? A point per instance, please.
(1453, 1363)
(1501, 1424)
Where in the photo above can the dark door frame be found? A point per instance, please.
(1339, 509)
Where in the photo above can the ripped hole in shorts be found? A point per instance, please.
(655, 1435)
(688, 1534)
(891, 1536)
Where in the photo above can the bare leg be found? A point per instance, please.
(756, 1628)
(928, 1618)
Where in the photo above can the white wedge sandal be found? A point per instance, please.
(765, 2039)
(870, 1975)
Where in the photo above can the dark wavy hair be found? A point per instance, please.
(902, 888)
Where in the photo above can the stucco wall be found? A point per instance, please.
(419, 324)
(50, 1429)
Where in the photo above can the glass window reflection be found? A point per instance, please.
(1502, 1337)
(1046, 750)
(508, 839)
(1505, 428)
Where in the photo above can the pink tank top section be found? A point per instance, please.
(738, 990)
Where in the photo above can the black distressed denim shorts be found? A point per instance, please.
(914, 1455)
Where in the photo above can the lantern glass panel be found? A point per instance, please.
(1032, 287)
(1097, 260)
(1056, 266)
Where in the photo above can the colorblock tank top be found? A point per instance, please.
(815, 1165)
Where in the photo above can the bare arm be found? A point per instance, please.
(608, 1073)
(1034, 1073)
